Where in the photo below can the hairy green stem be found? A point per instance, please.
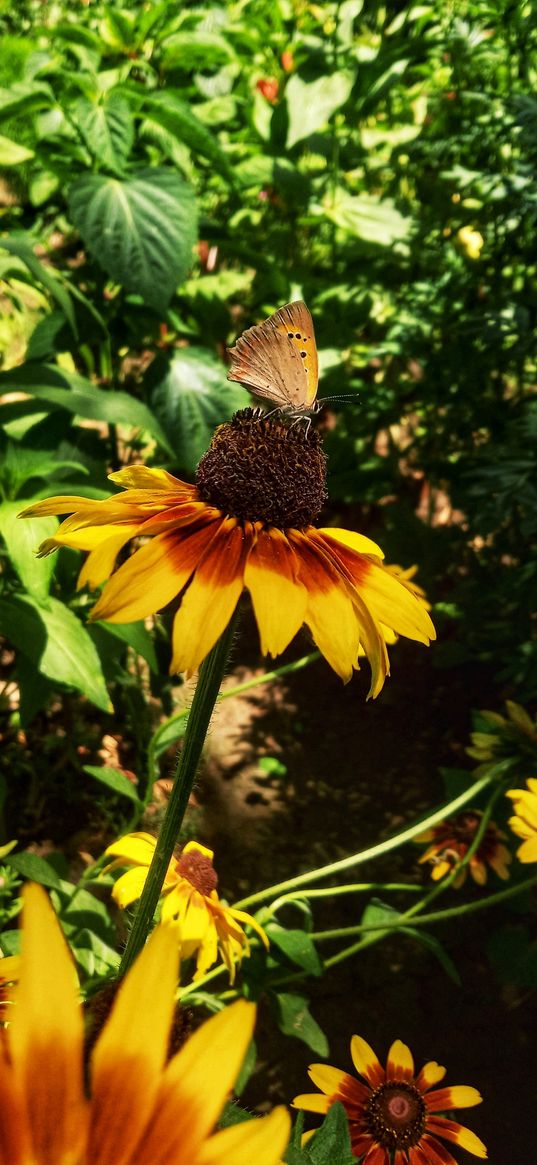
(210, 677)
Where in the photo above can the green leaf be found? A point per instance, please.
(12, 154)
(68, 390)
(115, 780)
(24, 97)
(17, 245)
(297, 946)
(56, 641)
(233, 1115)
(377, 912)
(35, 869)
(295, 1019)
(192, 397)
(311, 104)
(169, 111)
(372, 219)
(107, 127)
(10, 942)
(141, 229)
(168, 733)
(135, 635)
(332, 1142)
(22, 537)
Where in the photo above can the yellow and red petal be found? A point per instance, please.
(262, 1140)
(212, 596)
(431, 1074)
(278, 598)
(330, 614)
(195, 1085)
(458, 1134)
(366, 1062)
(377, 1155)
(129, 1056)
(102, 559)
(431, 1152)
(328, 1079)
(478, 871)
(457, 1096)
(153, 576)
(400, 1062)
(46, 1038)
(15, 1146)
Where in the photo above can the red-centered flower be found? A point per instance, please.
(450, 841)
(394, 1119)
(246, 523)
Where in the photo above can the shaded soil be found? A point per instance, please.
(355, 774)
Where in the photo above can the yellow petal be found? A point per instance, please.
(312, 1102)
(195, 847)
(67, 504)
(431, 1074)
(357, 542)
(141, 477)
(365, 1061)
(134, 847)
(211, 598)
(528, 851)
(130, 1053)
(46, 1035)
(392, 603)
(262, 1141)
(152, 577)
(102, 559)
(196, 1083)
(129, 886)
(278, 599)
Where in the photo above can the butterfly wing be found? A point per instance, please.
(278, 358)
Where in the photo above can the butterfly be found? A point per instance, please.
(278, 360)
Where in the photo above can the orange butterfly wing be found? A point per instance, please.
(278, 358)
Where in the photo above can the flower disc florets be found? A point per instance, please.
(198, 869)
(258, 469)
(396, 1115)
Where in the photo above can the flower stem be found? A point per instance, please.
(210, 677)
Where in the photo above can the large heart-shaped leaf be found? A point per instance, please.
(107, 127)
(191, 398)
(310, 104)
(22, 538)
(141, 229)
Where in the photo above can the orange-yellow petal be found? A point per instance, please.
(129, 886)
(528, 851)
(262, 1141)
(312, 1102)
(195, 1086)
(141, 477)
(278, 599)
(134, 847)
(130, 1053)
(328, 1079)
(212, 596)
(46, 1036)
(400, 1063)
(458, 1134)
(14, 1135)
(152, 577)
(366, 1062)
(102, 559)
(431, 1074)
(456, 1096)
(330, 614)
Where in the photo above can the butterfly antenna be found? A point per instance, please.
(339, 396)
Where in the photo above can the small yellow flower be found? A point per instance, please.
(394, 1118)
(190, 899)
(247, 523)
(524, 822)
(470, 241)
(137, 1108)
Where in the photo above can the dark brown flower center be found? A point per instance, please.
(198, 869)
(260, 470)
(395, 1115)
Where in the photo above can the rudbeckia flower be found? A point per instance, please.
(524, 822)
(394, 1117)
(137, 1108)
(450, 841)
(190, 899)
(248, 522)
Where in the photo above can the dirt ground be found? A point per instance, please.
(356, 772)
